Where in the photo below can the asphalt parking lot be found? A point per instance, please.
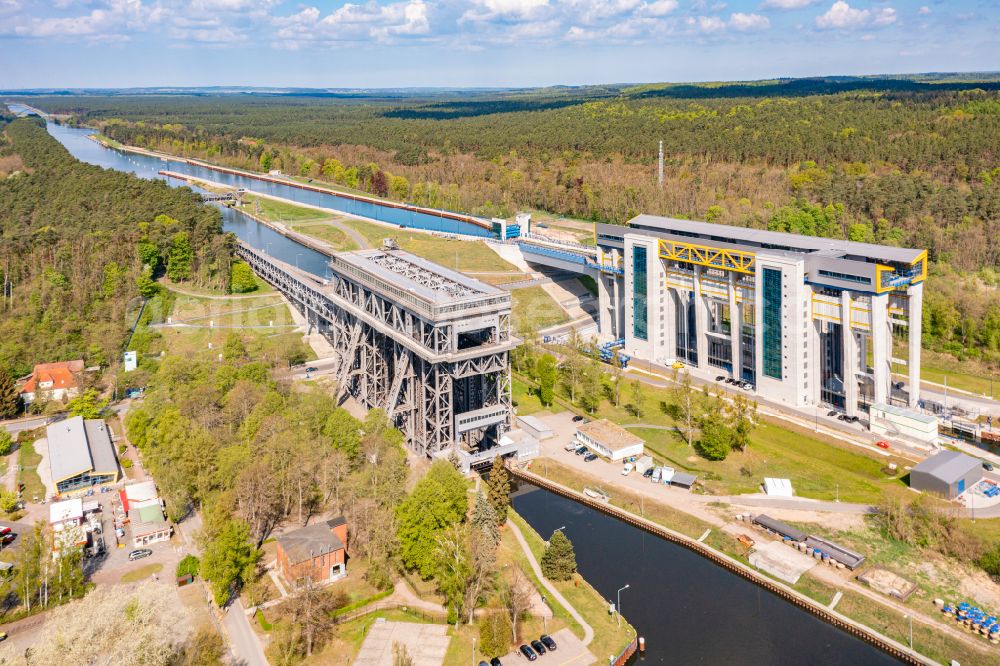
(17, 529)
(570, 651)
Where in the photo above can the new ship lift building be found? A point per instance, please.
(796, 316)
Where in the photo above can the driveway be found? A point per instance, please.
(242, 639)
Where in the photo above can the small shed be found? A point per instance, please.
(610, 440)
(779, 527)
(683, 479)
(893, 421)
(948, 473)
(535, 427)
(778, 487)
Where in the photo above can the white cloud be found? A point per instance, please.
(841, 16)
(786, 4)
(707, 24)
(658, 8)
(924, 11)
(748, 22)
(352, 22)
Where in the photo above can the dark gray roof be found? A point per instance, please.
(780, 527)
(829, 247)
(948, 466)
(683, 479)
(311, 541)
(848, 558)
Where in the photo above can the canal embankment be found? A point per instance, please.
(847, 625)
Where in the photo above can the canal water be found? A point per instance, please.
(87, 150)
(689, 610)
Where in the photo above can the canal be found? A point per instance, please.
(689, 610)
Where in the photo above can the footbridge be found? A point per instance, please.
(428, 345)
(554, 253)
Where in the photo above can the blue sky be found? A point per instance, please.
(390, 43)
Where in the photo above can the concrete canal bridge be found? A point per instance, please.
(428, 345)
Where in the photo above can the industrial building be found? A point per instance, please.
(795, 316)
(948, 474)
(81, 455)
(424, 343)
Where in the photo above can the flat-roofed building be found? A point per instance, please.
(609, 439)
(795, 316)
(81, 455)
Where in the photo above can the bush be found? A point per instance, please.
(6, 443)
(494, 633)
(127, 463)
(122, 448)
(188, 565)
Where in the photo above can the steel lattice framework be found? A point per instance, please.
(434, 356)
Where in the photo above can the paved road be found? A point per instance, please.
(14, 427)
(588, 631)
(242, 640)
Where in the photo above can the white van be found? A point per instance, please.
(656, 475)
(627, 469)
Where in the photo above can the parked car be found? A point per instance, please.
(832, 412)
(720, 378)
(676, 365)
(312, 369)
(528, 652)
(8, 538)
(547, 642)
(882, 444)
(571, 446)
(483, 663)
(988, 466)
(843, 417)
(627, 469)
(5, 530)
(577, 418)
(746, 386)
(655, 476)
(590, 457)
(538, 647)
(3, 635)
(649, 472)
(580, 451)
(139, 554)
(495, 661)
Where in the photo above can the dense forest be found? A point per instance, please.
(80, 246)
(898, 161)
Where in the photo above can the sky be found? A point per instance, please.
(482, 43)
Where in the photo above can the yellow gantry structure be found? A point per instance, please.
(703, 255)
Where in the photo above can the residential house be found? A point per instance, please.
(54, 380)
(144, 511)
(317, 551)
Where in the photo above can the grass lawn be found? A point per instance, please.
(230, 311)
(926, 639)
(609, 638)
(262, 288)
(280, 211)
(28, 459)
(468, 255)
(525, 399)
(142, 573)
(327, 233)
(536, 308)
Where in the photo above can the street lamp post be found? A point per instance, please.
(619, 606)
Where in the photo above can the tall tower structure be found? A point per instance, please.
(660, 181)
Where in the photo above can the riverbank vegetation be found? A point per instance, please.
(80, 246)
(897, 161)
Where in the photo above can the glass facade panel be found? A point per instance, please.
(640, 308)
(772, 323)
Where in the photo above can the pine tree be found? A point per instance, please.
(499, 490)
(484, 519)
(559, 560)
(9, 397)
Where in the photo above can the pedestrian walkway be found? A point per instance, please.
(588, 631)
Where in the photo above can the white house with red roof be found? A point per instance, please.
(55, 380)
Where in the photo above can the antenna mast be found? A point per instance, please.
(661, 165)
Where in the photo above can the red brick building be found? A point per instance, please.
(317, 551)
